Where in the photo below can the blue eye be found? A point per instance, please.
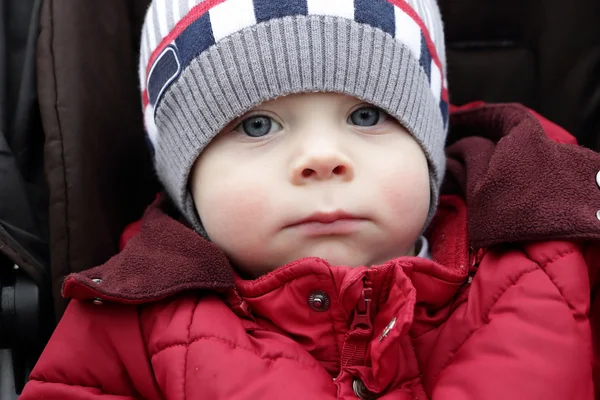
(366, 116)
(258, 126)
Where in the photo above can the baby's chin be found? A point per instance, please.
(353, 255)
(338, 256)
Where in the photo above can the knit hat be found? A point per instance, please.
(203, 63)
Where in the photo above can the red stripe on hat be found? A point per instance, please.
(182, 25)
(401, 4)
(145, 99)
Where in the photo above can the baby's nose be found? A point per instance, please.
(322, 165)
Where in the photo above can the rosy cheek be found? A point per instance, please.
(234, 211)
(407, 196)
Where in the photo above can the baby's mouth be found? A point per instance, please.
(328, 223)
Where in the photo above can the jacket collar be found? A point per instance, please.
(522, 176)
(164, 258)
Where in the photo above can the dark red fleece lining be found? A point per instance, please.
(519, 184)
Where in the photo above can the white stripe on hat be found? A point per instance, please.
(336, 8)
(408, 32)
(436, 81)
(439, 34)
(145, 49)
(163, 23)
(151, 29)
(151, 128)
(191, 4)
(175, 14)
(426, 17)
(231, 16)
(146, 46)
(183, 10)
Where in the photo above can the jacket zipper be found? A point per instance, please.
(361, 329)
(362, 313)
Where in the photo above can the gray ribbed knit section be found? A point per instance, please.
(285, 56)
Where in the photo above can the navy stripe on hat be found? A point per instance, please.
(425, 60)
(195, 39)
(265, 10)
(377, 13)
(164, 71)
(444, 110)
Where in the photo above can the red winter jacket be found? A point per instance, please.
(502, 312)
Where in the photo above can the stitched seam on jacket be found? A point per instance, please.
(555, 258)
(335, 339)
(235, 346)
(145, 343)
(338, 351)
(551, 261)
(486, 319)
(82, 386)
(187, 348)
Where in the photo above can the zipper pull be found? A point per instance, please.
(362, 312)
(361, 330)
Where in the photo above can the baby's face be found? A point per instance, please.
(317, 174)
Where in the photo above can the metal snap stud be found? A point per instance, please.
(97, 281)
(598, 179)
(318, 301)
(97, 301)
(598, 214)
(361, 391)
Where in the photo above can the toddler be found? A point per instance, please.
(305, 248)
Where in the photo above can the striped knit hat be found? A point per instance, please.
(204, 63)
